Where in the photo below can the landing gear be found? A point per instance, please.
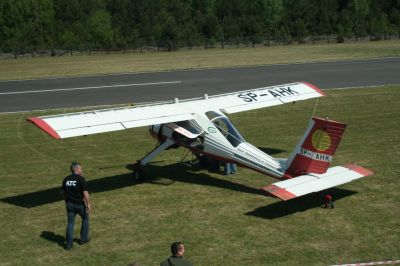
(138, 174)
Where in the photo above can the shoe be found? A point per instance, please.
(84, 242)
(67, 247)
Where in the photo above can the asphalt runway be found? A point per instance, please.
(129, 88)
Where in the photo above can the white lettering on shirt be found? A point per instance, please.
(70, 183)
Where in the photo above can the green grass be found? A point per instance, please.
(222, 220)
(83, 64)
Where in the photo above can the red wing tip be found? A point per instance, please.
(359, 169)
(278, 192)
(314, 88)
(40, 123)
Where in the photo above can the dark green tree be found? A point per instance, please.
(70, 28)
(99, 31)
(359, 10)
(16, 26)
(272, 17)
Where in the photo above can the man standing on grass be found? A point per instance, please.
(177, 250)
(76, 196)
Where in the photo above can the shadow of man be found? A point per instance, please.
(55, 238)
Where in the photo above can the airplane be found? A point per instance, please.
(202, 126)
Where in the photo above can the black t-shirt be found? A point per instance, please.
(74, 185)
(176, 261)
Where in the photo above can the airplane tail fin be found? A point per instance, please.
(315, 150)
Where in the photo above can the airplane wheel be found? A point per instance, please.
(138, 176)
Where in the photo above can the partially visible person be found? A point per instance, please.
(177, 251)
(76, 196)
(328, 201)
(203, 160)
(214, 165)
(230, 168)
(134, 264)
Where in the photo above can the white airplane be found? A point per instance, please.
(202, 126)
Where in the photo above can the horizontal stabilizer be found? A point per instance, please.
(306, 184)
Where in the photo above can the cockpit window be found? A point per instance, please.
(225, 126)
(191, 126)
(211, 115)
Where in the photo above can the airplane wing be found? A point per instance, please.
(305, 184)
(265, 97)
(98, 121)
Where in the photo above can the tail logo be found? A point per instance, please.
(320, 140)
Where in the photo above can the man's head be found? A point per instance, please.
(76, 168)
(177, 249)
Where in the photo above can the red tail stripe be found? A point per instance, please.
(361, 170)
(44, 126)
(278, 192)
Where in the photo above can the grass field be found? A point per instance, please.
(222, 220)
(83, 64)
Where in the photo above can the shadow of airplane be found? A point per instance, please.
(179, 172)
(176, 172)
(185, 173)
(46, 196)
(301, 204)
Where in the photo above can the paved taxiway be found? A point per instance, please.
(51, 93)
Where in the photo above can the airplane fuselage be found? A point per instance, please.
(213, 135)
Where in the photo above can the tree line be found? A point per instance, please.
(29, 26)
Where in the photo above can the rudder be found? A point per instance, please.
(315, 150)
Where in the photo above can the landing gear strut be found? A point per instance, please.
(138, 173)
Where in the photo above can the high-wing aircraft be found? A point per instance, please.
(202, 126)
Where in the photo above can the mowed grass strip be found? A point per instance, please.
(83, 64)
(223, 220)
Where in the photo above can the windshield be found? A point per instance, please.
(225, 126)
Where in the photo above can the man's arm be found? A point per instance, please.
(86, 199)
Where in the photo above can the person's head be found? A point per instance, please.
(177, 249)
(76, 168)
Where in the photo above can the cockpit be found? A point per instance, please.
(225, 126)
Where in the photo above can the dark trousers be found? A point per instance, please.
(72, 210)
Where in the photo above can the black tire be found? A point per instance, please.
(138, 176)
